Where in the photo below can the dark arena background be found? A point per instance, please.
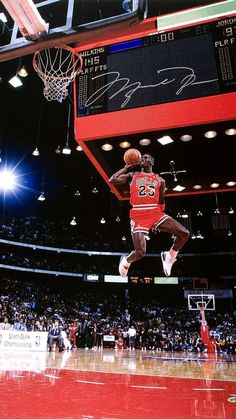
(77, 340)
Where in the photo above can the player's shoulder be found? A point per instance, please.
(162, 180)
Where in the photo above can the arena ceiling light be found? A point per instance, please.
(166, 139)
(215, 185)
(231, 183)
(58, 150)
(35, 152)
(79, 148)
(230, 131)
(197, 187)
(178, 188)
(73, 221)
(210, 134)
(15, 81)
(124, 144)
(107, 147)
(145, 141)
(22, 72)
(186, 137)
(41, 197)
(7, 180)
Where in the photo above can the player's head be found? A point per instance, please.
(147, 160)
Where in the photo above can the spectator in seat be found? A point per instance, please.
(5, 325)
(54, 336)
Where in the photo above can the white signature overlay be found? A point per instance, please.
(185, 77)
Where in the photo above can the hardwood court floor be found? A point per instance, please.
(113, 384)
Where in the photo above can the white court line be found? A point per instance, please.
(50, 376)
(159, 388)
(89, 382)
(209, 389)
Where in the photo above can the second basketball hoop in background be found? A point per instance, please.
(132, 156)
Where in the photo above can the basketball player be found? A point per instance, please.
(208, 341)
(147, 191)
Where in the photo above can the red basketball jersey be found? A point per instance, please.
(144, 190)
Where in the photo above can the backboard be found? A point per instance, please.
(67, 20)
(197, 301)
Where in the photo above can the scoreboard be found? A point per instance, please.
(187, 63)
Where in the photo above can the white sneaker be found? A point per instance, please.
(167, 263)
(123, 266)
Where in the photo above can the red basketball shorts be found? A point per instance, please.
(141, 221)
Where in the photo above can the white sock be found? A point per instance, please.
(127, 264)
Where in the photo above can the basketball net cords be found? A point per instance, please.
(55, 80)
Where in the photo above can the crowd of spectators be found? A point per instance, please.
(57, 233)
(32, 230)
(31, 306)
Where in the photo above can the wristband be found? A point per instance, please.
(162, 207)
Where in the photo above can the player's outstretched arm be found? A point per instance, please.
(123, 175)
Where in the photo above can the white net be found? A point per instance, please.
(57, 67)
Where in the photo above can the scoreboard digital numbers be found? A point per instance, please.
(187, 63)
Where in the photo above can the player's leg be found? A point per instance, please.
(181, 236)
(138, 252)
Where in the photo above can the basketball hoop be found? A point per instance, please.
(57, 67)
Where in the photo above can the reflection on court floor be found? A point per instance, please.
(117, 384)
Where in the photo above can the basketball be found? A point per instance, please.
(132, 156)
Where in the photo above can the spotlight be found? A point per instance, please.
(199, 213)
(95, 190)
(79, 148)
(7, 180)
(102, 221)
(231, 210)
